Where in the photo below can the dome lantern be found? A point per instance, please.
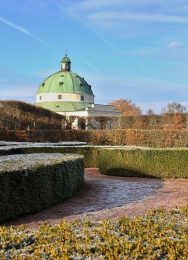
(65, 64)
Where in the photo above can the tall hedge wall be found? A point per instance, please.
(29, 183)
(151, 138)
(151, 122)
(40, 135)
(159, 163)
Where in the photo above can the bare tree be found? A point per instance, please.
(172, 108)
(150, 112)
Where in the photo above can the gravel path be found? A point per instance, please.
(112, 197)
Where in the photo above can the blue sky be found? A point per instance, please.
(135, 50)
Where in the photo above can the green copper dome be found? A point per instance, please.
(65, 59)
(65, 91)
(65, 82)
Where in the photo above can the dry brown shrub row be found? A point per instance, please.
(16, 115)
(155, 122)
(40, 135)
(150, 138)
(147, 122)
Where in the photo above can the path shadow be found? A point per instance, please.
(100, 192)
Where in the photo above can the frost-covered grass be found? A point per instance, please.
(24, 162)
(9, 145)
(13, 145)
(160, 234)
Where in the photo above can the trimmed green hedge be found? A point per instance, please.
(157, 163)
(90, 153)
(29, 183)
(122, 161)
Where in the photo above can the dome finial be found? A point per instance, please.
(65, 63)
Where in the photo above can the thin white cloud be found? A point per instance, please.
(105, 40)
(160, 6)
(140, 86)
(98, 16)
(76, 16)
(155, 85)
(13, 25)
(10, 91)
(93, 67)
(173, 45)
(90, 5)
(147, 51)
(173, 50)
(139, 90)
(23, 30)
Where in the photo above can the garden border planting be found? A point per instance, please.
(142, 137)
(127, 161)
(90, 153)
(160, 234)
(31, 182)
(144, 162)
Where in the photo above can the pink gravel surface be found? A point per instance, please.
(111, 197)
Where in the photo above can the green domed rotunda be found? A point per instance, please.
(67, 93)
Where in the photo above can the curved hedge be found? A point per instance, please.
(119, 160)
(90, 153)
(144, 162)
(29, 183)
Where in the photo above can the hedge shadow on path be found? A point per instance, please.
(100, 192)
